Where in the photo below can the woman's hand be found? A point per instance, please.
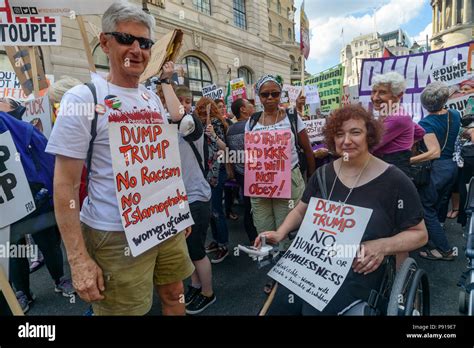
(300, 102)
(369, 257)
(210, 132)
(271, 237)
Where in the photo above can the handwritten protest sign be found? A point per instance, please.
(312, 94)
(38, 113)
(213, 92)
(319, 259)
(314, 128)
(450, 74)
(238, 89)
(268, 164)
(149, 185)
(293, 92)
(16, 200)
(28, 31)
(350, 95)
(10, 86)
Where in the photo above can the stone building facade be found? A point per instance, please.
(453, 22)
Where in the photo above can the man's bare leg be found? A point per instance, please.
(172, 298)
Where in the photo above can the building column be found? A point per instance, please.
(443, 15)
(454, 11)
(436, 18)
(467, 11)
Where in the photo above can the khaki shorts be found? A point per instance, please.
(129, 280)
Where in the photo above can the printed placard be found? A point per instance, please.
(319, 259)
(213, 92)
(314, 128)
(16, 200)
(4, 243)
(238, 89)
(293, 92)
(150, 191)
(28, 31)
(450, 74)
(10, 86)
(268, 164)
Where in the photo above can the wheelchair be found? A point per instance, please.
(466, 295)
(402, 293)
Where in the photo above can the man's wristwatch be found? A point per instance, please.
(165, 81)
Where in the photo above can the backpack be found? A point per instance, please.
(86, 170)
(292, 116)
(37, 164)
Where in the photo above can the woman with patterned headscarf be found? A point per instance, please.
(269, 213)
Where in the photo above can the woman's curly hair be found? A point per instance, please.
(356, 112)
(201, 111)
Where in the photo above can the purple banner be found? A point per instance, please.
(416, 68)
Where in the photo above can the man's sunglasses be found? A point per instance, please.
(127, 39)
(273, 94)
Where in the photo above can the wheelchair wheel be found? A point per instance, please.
(410, 291)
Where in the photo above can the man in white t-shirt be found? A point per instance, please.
(103, 272)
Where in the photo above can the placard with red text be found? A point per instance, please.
(268, 164)
(149, 185)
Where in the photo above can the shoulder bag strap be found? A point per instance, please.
(93, 133)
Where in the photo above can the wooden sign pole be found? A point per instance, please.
(34, 71)
(85, 41)
(9, 294)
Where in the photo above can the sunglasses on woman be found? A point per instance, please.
(128, 39)
(273, 94)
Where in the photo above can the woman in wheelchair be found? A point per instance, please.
(358, 178)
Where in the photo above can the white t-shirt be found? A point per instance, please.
(282, 125)
(72, 133)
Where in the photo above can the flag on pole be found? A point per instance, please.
(304, 38)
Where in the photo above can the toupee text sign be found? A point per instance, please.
(28, 31)
(67, 8)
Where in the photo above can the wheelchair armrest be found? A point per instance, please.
(470, 246)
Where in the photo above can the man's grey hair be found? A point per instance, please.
(126, 12)
(434, 96)
(392, 78)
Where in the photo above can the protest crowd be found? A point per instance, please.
(140, 187)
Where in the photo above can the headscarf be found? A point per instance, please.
(268, 78)
(469, 83)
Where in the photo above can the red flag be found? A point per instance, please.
(387, 53)
(304, 34)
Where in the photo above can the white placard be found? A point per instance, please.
(150, 190)
(293, 92)
(451, 74)
(319, 259)
(312, 94)
(213, 92)
(314, 128)
(38, 112)
(10, 86)
(16, 200)
(17, 30)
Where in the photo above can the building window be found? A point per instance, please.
(280, 30)
(288, 13)
(270, 29)
(101, 61)
(290, 36)
(239, 14)
(203, 6)
(279, 7)
(246, 74)
(199, 76)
